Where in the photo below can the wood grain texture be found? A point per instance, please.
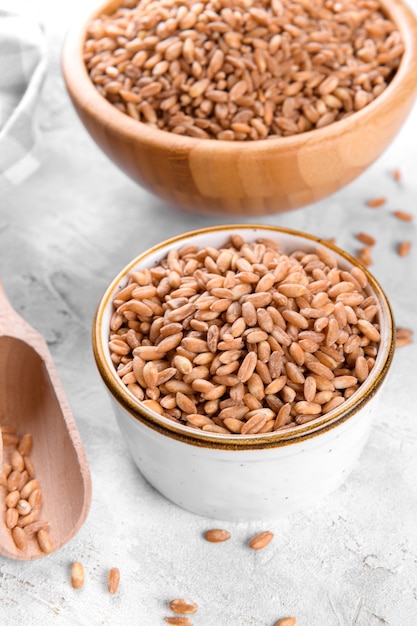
(33, 401)
(245, 178)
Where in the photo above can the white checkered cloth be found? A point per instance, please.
(23, 59)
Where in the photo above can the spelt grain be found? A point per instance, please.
(23, 507)
(254, 424)
(113, 580)
(238, 359)
(404, 337)
(25, 520)
(25, 444)
(19, 538)
(404, 248)
(178, 605)
(404, 216)
(368, 240)
(12, 498)
(77, 575)
(44, 540)
(12, 517)
(29, 487)
(376, 202)
(216, 535)
(364, 256)
(260, 541)
(262, 73)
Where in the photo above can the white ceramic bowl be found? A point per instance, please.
(252, 477)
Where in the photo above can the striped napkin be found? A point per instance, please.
(23, 59)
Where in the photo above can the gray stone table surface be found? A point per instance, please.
(350, 561)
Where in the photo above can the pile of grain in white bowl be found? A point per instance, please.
(242, 70)
(244, 339)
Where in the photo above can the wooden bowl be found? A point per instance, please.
(252, 177)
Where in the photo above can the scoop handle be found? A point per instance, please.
(8, 316)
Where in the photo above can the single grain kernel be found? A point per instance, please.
(12, 498)
(19, 538)
(30, 486)
(113, 580)
(178, 605)
(404, 337)
(368, 240)
(364, 256)
(375, 203)
(16, 461)
(23, 507)
(286, 621)
(31, 517)
(25, 444)
(77, 575)
(12, 517)
(404, 216)
(403, 332)
(35, 499)
(404, 248)
(44, 540)
(260, 541)
(13, 480)
(217, 535)
(24, 477)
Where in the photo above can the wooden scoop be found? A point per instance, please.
(32, 401)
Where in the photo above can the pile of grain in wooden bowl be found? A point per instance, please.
(242, 70)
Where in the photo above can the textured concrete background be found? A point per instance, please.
(352, 561)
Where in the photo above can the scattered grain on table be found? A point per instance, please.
(184, 607)
(404, 248)
(113, 580)
(261, 540)
(404, 337)
(375, 203)
(366, 239)
(77, 575)
(217, 535)
(404, 216)
(396, 174)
